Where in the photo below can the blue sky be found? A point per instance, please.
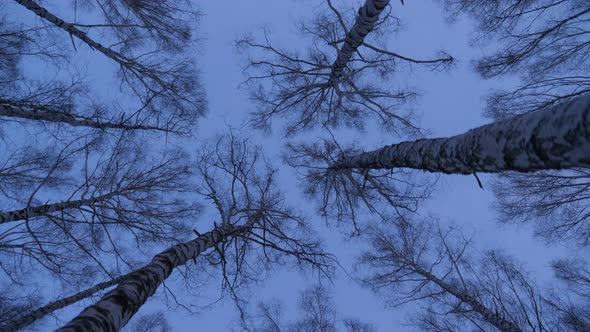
(450, 103)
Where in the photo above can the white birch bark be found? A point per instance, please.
(72, 30)
(117, 307)
(365, 21)
(30, 212)
(551, 138)
(69, 119)
(488, 315)
(26, 320)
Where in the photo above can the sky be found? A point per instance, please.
(450, 103)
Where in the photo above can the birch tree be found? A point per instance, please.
(545, 43)
(429, 265)
(148, 41)
(20, 320)
(256, 230)
(552, 138)
(120, 200)
(332, 82)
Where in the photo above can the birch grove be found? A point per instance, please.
(111, 195)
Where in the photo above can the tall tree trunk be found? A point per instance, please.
(117, 307)
(552, 138)
(365, 22)
(121, 59)
(40, 210)
(72, 120)
(26, 320)
(488, 315)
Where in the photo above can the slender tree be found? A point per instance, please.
(253, 218)
(423, 263)
(122, 194)
(161, 76)
(332, 84)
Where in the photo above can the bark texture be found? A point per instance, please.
(30, 212)
(117, 307)
(490, 316)
(552, 138)
(29, 318)
(69, 119)
(365, 22)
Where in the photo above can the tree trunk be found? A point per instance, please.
(117, 307)
(40, 210)
(488, 315)
(29, 318)
(72, 120)
(552, 138)
(365, 21)
(121, 59)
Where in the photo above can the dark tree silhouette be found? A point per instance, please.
(148, 41)
(123, 198)
(348, 193)
(256, 229)
(332, 82)
(426, 264)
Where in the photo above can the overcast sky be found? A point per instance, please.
(450, 103)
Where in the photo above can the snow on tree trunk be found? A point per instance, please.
(365, 21)
(72, 120)
(29, 318)
(40, 210)
(117, 307)
(552, 138)
(488, 315)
